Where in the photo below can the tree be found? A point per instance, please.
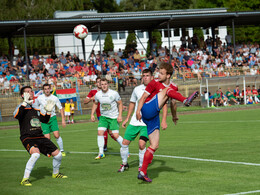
(157, 37)
(108, 44)
(131, 43)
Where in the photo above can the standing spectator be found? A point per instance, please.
(67, 111)
(228, 39)
(72, 109)
(2, 83)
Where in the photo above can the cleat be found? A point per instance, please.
(105, 148)
(72, 122)
(63, 153)
(26, 182)
(189, 100)
(59, 175)
(144, 177)
(123, 167)
(100, 156)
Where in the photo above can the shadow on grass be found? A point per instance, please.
(41, 173)
(154, 172)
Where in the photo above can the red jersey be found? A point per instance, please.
(254, 91)
(91, 94)
(155, 87)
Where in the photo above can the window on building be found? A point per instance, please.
(166, 33)
(216, 31)
(121, 34)
(140, 34)
(176, 32)
(113, 34)
(94, 36)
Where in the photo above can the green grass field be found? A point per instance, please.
(196, 157)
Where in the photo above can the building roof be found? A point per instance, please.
(146, 20)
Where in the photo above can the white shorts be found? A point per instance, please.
(67, 113)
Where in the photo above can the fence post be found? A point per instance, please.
(244, 83)
(78, 98)
(1, 120)
(207, 85)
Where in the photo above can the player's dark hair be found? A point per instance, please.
(67, 99)
(98, 78)
(46, 84)
(104, 79)
(23, 88)
(148, 71)
(168, 67)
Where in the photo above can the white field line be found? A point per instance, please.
(162, 156)
(249, 192)
(61, 132)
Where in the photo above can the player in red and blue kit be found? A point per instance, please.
(154, 98)
(91, 96)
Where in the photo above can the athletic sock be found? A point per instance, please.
(60, 143)
(30, 164)
(100, 140)
(112, 136)
(105, 138)
(56, 163)
(175, 95)
(124, 153)
(120, 140)
(148, 157)
(141, 156)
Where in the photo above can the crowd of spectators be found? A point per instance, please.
(196, 58)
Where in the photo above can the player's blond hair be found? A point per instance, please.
(167, 66)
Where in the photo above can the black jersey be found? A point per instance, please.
(30, 121)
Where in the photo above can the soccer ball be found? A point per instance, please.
(80, 31)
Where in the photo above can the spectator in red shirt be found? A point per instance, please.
(35, 61)
(78, 67)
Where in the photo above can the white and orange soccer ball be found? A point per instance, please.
(80, 31)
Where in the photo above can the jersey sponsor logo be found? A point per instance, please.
(35, 122)
(106, 106)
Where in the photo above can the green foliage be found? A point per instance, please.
(108, 44)
(199, 32)
(4, 46)
(150, 5)
(131, 42)
(156, 35)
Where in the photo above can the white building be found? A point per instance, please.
(67, 42)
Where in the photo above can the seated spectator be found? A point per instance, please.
(217, 99)
(137, 76)
(7, 87)
(231, 96)
(143, 56)
(238, 95)
(51, 71)
(66, 82)
(53, 55)
(197, 72)
(38, 82)
(16, 86)
(71, 68)
(59, 82)
(2, 83)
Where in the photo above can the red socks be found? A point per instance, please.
(148, 157)
(105, 137)
(111, 135)
(175, 95)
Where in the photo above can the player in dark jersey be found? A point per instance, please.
(31, 135)
(156, 94)
(91, 97)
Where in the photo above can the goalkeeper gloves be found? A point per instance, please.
(49, 106)
(26, 100)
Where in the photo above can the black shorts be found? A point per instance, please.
(45, 145)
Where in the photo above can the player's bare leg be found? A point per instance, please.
(59, 142)
(173, 106)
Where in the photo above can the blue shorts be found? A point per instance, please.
(150, 115)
